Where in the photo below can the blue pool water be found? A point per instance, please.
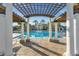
(41, 34)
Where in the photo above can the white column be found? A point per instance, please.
(50, 29)
(22, 30)
(28, 29)
(70, 30)
(56, 30)
(76, 33)
(8, 30)
(2, 34)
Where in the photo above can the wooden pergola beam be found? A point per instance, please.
(61, 18)
(17, 18)
(46, 8)
(31, 7)
(25, 9)
(56, 8)
(39, 15)
(2, 9)
(18, 9)
(30, 10)
(52, 9)
(76, 8)
(59, 9)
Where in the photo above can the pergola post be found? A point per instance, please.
(56, 31)
(22, 30)
(8, 30)
(28, 29)
(28, 42)
(76, 29)
(50, 30)
(70, 31)
(2, 34)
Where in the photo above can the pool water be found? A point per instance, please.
(41, 34)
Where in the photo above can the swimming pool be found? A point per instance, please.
(42, 34)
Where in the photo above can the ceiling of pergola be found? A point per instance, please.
(39, 9)
(76, 8)
(2, 9)
(16, 18)
(61, 18)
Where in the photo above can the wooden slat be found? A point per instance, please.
(31, 8)
(56, 9)
(46, 8)
(25, 9)
(60, 9)
(53, 8)
(21, 8)
(18, 9)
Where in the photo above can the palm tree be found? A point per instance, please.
(19, 23)
(42, 22)
(36, 24)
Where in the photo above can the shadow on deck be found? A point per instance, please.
(40, 52)
(16, 49)
(60, 43)
(46, 49)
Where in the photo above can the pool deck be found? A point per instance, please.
(40, 48)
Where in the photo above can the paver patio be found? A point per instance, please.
(40, 48)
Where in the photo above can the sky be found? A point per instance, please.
(39, 18)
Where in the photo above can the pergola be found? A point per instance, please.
(37, 9)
